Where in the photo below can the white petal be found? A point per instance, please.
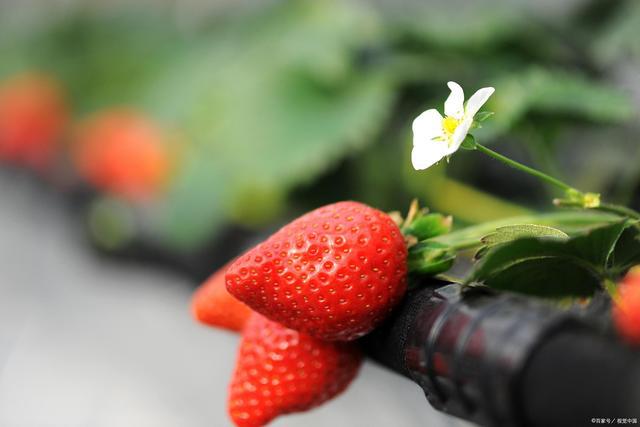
(477, 100)
(461, 133)
(428, 154)
(427, 126)
(454, 105)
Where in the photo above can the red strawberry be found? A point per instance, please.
(626, 311)
(33, 115)
(279, 371)
(213, 305)
(122, 152)
(333, 273)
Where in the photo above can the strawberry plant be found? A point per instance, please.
(334, 274)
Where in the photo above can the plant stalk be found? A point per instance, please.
(524, 168)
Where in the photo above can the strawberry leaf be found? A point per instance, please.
(283, 110)
(557, 267)
(627, 251)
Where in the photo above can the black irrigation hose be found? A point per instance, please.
(508, 360)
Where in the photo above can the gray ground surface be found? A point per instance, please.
(90, 342)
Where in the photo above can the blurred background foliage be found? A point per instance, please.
(272, 108)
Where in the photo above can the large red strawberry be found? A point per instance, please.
(626, 311)
(333, 273)
(213, 305)
(33, 115)
(279, 371)
(122, 152)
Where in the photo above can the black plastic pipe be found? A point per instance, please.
(508, 360)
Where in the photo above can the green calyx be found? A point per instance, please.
(430, 258)
(420, 224)
(426, 257)
(428, 225)
(577, 198)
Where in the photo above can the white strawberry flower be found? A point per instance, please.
(436, 137)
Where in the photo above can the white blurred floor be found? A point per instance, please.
(90, 342)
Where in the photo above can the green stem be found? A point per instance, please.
(569, 222)
(603, 207)
(531, 171)
(611, 288)
(620, 210)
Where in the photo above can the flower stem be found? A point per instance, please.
(573, 196)
(620, 210)
(531, 171)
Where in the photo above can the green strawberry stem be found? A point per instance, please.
(611, 288)
(524, 168)
(620, 210)
(469, 237)
(604, 207)
(436, 255)
(573, 196)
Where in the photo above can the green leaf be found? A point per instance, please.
(477, 23)
(287, 107)
(553, 92)
(518, 231)
(627, 251)
(570, 222)
(620, 39)
(483, 115)
(469, 143)
(551, 277)
(97, 55)
(556, 267)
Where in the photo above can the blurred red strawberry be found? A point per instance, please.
(626, 311)
(33, 116)
(280, 371)
(213, 305)
(122, 152)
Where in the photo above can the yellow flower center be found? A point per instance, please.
(449, 124)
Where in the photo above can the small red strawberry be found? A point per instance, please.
(213, 305)
(626, 311)
(33, 115)
(333, 273)
(280, 371)
(122, 152)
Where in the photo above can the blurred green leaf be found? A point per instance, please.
(550, 92)
(455, 23)
(620, 39)
(105, 59)
(264, 113)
